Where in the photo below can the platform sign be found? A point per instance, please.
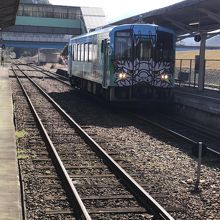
(197, 38)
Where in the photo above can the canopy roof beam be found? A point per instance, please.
(211, 14)
(179, 25)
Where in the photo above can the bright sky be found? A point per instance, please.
(119, 9)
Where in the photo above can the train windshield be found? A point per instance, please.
(159, 47)
(123, 45)
(164, 49)
(144, 48)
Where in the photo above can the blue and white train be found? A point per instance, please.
(128, 62)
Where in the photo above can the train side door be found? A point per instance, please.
(105, 61)
(70, 59)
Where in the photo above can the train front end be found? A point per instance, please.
(142, 62)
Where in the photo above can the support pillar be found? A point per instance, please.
(201, 78)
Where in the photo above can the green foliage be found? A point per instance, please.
(20, 134)
(21, 154)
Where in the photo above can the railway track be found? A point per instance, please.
(100, 187)
(43, 197)
(187, 131)
(59, 77)
(83, 116)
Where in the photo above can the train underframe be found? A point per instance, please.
(141, 92)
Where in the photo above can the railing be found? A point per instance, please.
(187, 74)
(212, 74)
(35, 37)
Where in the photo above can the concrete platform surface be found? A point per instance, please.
(206, 100)
(201, 107)
(10, 208)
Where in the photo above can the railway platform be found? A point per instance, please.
(10, 208)
(206, 100)
(202, 107)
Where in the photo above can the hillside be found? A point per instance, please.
(214, 41)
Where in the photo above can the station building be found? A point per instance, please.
(51, 26)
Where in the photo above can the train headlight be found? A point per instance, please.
(164, 77)
(122, 75)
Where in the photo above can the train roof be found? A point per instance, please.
(97, 31)
(153, 26)
(120, 27)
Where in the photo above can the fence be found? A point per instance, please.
(187, 74)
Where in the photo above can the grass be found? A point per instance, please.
(20, 134)
(210, 56)
(22, 154)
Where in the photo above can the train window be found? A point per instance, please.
(144, 49)
(75, 52)
(90, 52)
(78, 52)
(86, 49)
(164, 49)
(95, 52)
(82, 53)
(123, 46)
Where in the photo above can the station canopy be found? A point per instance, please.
(186, 18)
(8, 10)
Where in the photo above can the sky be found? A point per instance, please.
(119, 9)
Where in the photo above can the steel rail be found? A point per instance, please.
(83, 214)
(55, 74)
(164, 128)
(216, 153)
(44, 72)
(210, 150)
(199, 128)
(174, 133)
(141, 195)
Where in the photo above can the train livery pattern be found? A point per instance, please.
(125, 62)
(143, 71)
